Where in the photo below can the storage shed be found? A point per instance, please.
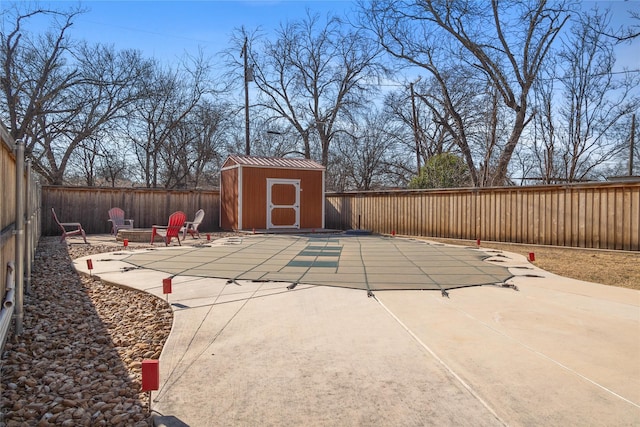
(271, 193)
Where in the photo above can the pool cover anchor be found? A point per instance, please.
(292, 286)
(508, 285)
(444, 293)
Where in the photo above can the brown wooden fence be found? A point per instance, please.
(90, 206)
(602, 215)
(7, 203)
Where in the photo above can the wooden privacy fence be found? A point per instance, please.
(90, 206)
(7, 203)
(601, 215)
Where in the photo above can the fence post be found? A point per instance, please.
(19, 236)
(28, 240)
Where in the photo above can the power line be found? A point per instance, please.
(153, 33)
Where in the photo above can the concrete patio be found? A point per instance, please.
(403, 343)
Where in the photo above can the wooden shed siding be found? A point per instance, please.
(283, 195)
(283, 216)
(254, 182)
(254, 198)
(229, 202)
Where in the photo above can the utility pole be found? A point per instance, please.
(248, 76)
(631, 143)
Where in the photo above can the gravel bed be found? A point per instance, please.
(78, 362)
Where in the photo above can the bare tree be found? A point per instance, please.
(424, 128)
(456, 107)
(35, 74)
(582, 107)
(108, 87)
(543, 133)
(491, 131)
(169, 96)
(507, 41)
(314, 75)
(271, 139)
(59, 95)
(195, 150)
(364, 157)
(595, 99)
(625, 34)
(113, 166)
(449, 99)
(33, 69)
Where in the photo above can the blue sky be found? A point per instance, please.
(165, 29)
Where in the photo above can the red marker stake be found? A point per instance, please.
(166, 287)
(150, 377)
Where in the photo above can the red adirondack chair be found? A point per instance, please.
(74, 228)
(176, 222)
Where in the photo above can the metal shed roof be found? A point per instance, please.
(272, 162)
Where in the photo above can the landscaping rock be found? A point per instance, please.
(78, 361)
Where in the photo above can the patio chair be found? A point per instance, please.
(118, 221)
(191, 227)
(171, 230)
(69, 228)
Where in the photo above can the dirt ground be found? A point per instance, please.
(613, 268)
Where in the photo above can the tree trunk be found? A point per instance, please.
(500, 175)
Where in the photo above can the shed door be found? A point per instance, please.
(283, 203)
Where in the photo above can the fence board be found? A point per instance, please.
(597, 215)
(90, 206)
(7, 205)
(635, 226)
(602, 215)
